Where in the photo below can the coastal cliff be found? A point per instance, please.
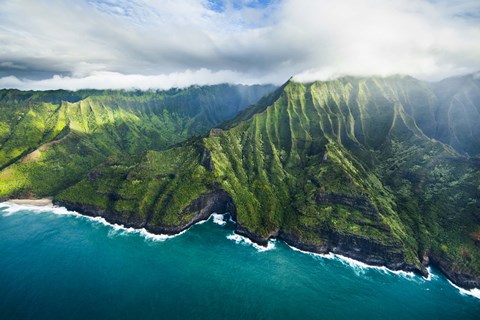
(362, 167)
(216, 201)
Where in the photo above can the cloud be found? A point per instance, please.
(379, 37)
(115, 80)
(143, 43)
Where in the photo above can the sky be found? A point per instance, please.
(145, 44)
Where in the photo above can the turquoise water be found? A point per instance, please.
(55, 266)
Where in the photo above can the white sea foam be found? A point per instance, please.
(361, 267)
(431, 275)
(313, 254)
(230, 219)
(473, 292)
(115, 229)
(358, 266)
(118, 229)
(245, 241)
(218, 219)
(9, 208)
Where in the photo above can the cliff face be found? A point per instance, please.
(362, 204)
(215, 201)
(218, 201)
(358, 248)
(463, 278)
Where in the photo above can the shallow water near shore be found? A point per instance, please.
(56, 264)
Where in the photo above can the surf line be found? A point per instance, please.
(407, 275)
(10, 208)
(217, 218)
(354, 263)
(475, 292)
(246, 241)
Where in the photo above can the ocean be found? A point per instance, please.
(56, 264)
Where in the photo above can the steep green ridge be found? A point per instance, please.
(421, 188)
(390, 192)
(50, 140)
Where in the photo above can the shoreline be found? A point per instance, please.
(48, 203)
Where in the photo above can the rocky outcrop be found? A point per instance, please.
(355, 247)
(216, 201)
(215, 132)
(261, 240)
(109, 215)
(206, 160)
(463, 279)
(361, 204)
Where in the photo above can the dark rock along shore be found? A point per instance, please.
(358, 248)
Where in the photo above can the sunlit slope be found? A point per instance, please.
(50, 140)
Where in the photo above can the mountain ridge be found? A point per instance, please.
(99, 124)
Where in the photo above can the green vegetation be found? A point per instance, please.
(401, 174)
(154, 191)
(50, 140)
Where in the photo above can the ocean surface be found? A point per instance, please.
(58, 265)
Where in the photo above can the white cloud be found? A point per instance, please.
(114, 80)
(146, 43)
(11, 82)
(386, 37)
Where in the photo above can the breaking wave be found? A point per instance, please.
(116, 229)
(358, 266)
(9, 208)
(218, 219)
(473, 292)
(245, 241)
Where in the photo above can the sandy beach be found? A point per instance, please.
(33, 202)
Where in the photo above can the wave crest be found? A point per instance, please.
(245, 241)
(116, 229)
(218, 219)
(473, 292)
(358, 266)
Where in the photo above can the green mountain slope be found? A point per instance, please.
(50, 140)
(389, 192)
